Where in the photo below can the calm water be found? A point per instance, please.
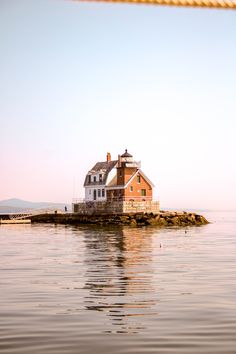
(115, 290)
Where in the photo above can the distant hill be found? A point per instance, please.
(18, 205)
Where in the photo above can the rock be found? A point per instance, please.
(160, 219)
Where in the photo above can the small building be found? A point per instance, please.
(98, 178)
(129, 183)
(117, 186)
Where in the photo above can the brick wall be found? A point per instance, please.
(137, 188)
(124, 174)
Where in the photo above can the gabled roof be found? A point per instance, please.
(144, 177)
(113, 184)
(100, 167)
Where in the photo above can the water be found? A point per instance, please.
(66, 289)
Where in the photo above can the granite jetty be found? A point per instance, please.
(161, 219)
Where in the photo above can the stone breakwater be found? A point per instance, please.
(161, 219)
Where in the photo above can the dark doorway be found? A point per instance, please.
(94, 194)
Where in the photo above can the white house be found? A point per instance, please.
(98, 178)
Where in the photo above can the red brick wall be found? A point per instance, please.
(124, 174)
(137, 187)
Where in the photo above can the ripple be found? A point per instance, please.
(69, 290)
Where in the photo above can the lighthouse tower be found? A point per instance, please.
(126, 167)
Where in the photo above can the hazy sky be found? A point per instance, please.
(79, 79)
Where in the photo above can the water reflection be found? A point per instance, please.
(119, 276)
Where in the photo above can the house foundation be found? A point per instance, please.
(116, 207)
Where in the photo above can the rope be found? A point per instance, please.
(219, 4)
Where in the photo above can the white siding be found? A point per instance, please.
(89, 190)
(89, 195)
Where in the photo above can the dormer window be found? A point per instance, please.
(94, 178)
(89, 179)
(100, 177)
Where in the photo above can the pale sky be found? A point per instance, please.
(79, 80)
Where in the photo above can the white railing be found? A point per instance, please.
(130, 199)
(114, 199)
(133, 164)
(78, 200)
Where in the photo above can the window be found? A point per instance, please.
(99, 193)
(131, 188)
(94, 178)
(100, 177)
(89, 179)
(89, 191)
(120, 173)
(103, 192)
(143, 192)
(138, 179)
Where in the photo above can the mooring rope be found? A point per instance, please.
(219, 4)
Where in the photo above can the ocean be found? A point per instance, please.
(112, 290)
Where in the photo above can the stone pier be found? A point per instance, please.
(160, 219)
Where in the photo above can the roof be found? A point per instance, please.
(126, 154)
(106, 166)
(144, 176)
(113, 184)
(100, 167)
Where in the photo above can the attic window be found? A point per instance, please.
(131, 188)
(94, 178)
(89, 179)
(138, 179)
(100, 177)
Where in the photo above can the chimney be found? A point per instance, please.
(119, 161)
(108, 157)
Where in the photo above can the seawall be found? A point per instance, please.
(161, 219)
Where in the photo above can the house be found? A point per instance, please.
(129, 183)
(117, 186)
(98, 178)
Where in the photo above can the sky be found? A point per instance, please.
(79, 80)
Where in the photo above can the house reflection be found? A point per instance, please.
(120, 276)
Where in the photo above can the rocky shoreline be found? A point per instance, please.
(161, 219)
